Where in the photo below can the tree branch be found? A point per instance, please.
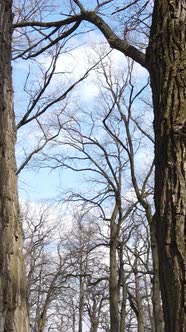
(90, 16)
(114, 41)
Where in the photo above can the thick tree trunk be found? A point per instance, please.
(13, 312)
(167, 54)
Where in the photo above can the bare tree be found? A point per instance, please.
(165, 62)
(42, 99)
(128, 117)
(97, 304)
(58, 269)
(164, 58)
(98, 150)
(41, 273)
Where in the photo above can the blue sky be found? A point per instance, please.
(43, 184)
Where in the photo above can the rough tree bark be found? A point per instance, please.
(13, 312)
(167, 60)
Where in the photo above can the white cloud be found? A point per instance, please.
(74, 63)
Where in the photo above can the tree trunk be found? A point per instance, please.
(94, 316)
(74, 321)
(156, 300)
(94, 319)
(167, 65)
(139, 303)
(122, 281)
(114, 296)
(94, 326)
(81, 299)
(13, 312)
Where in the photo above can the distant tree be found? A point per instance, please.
(58, 270)
(41, 266)
(104, 148)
